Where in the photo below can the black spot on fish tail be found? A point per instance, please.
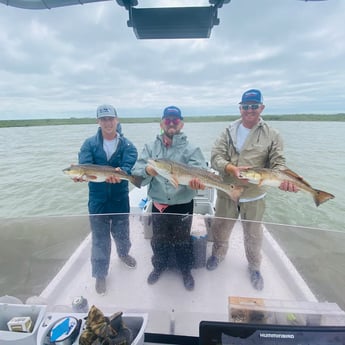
(321, 196)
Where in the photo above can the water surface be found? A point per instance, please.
(32, 159)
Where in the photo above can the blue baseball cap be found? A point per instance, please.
(172, 111)
(106, 110)
(252, 95)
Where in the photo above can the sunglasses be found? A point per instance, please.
(250, 106)
(175, 121)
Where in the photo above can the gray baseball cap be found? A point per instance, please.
(106, 110)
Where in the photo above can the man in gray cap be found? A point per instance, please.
(108, 201)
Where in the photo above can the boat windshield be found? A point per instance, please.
(47, 261)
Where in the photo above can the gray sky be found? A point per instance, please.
(66, 61)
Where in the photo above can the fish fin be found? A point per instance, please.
(174, 181)
(294, 175)
(136, 180)
(235, 192)
(320, 197)
(89, 177)
(82, 177)
(215, 176)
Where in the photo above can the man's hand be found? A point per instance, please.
(113, 178)
(195, 183)
(236, 171)
(288, 186)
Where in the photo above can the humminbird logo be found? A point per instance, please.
(276, 335)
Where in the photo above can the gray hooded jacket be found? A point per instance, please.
(181, 151)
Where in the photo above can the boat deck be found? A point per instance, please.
(171, 308)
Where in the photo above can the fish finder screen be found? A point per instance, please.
(227, 333)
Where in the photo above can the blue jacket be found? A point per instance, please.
(105, 197)
(181, 151)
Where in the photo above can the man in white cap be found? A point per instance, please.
(108, 201)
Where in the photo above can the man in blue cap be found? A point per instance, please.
(171, 233)
(247, 142)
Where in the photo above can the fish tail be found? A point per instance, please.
(136, 180)
(320, 196)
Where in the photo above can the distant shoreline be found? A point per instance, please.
(223, 118)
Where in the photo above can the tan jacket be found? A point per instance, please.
(263, 148)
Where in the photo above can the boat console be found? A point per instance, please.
(227, 333)
(61, 328)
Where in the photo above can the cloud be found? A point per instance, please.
(65, 61)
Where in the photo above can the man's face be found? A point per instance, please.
(108, 124)
(250, 113)
(171, 125)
